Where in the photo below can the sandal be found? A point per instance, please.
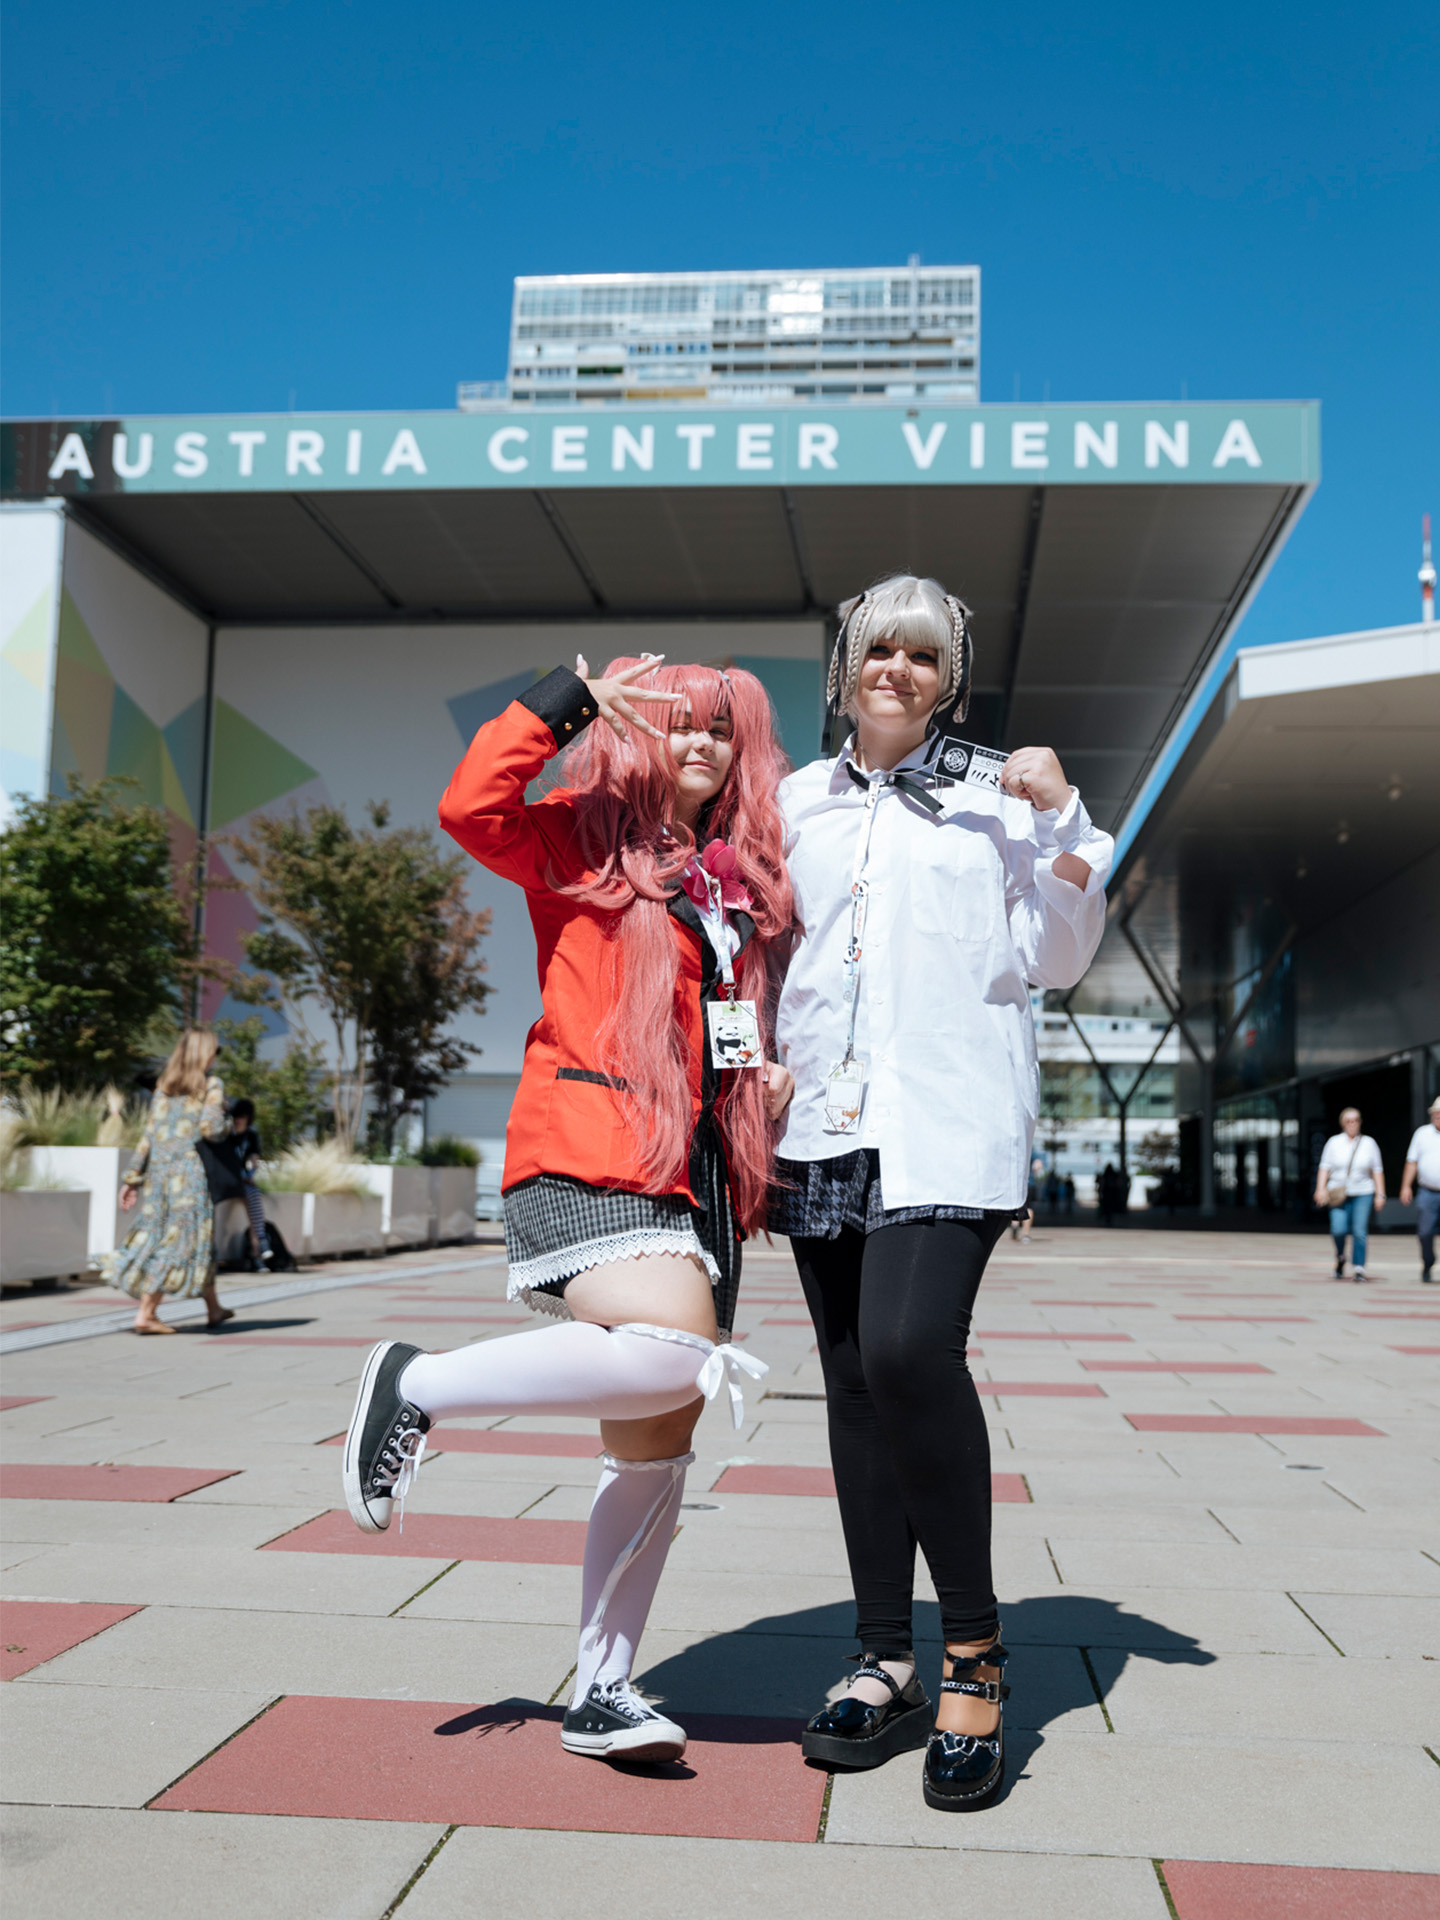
(853, 1733)
(964, 1771)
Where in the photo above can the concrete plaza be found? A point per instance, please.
(1217, 1551)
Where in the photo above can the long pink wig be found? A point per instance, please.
(635, 853)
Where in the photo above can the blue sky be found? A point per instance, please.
(234, 206)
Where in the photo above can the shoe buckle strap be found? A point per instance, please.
(980, 1689)
(872, 1670)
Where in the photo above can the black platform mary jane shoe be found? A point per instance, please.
(853, 1733)
(964, 1771)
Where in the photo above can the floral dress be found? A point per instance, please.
(171, 1246)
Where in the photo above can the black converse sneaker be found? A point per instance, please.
(613, 1722)
(386, 1439)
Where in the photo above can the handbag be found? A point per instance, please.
(1337, 1196)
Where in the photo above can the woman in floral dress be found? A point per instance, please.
(171, 1247)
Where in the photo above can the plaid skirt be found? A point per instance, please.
(556, 1227)
(820, 1197)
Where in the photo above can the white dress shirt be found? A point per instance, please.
(964, 915)
(1424, 1150)
(1360, 1155)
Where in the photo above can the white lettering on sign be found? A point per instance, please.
(405, 452)
(818, 444)
(508, 462)
(1027, 443)
(977, 443)
(1105, 445)
(695, 438)
(1176, 447)
(354, 440)
(247, 443)
(923, 452)
(753, 448)
(120, 455)
(303, 449)
(191, 459)
(624, 445)
(1236, 444)
(567, 449)
(72, 458)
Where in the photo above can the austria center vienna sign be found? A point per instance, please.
(1213, 444)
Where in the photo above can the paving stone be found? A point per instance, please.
(1186, 1799)
(1377, 1624)
(34, 1631)
(174, 1867)
(1226, 1890)
(110, 1746)
(179, 1524)
(1255, 1696)
(271, 1582)
(1092, 1563)
(531, 1876)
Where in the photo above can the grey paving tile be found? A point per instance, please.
(1374, 1625)
(1260, 1696)
(387, 1659)
(1094, 1564)
(270, 1582)
(110, 1746)
(176, 1524)
(79, 1864)
(1176, 1798)
(530, 1876)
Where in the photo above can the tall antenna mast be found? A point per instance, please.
(1427, 575)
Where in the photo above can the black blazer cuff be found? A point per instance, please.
(562, 700)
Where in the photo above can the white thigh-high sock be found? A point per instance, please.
(631, 1525)
(630, 1372)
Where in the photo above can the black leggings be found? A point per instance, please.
(907, 1434)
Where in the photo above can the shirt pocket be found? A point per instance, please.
(955, 886)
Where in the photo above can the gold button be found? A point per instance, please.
(567, 727)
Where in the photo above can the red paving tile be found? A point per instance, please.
(1356, 1314)
(787, 1323)
(1043, 1389)
(989, 1333)
(443, 1536)
(1247, 1423)
(1174, 1366)
(9, 1400)
(502, 1766)
(1004, 1487)
(1255, 1319)
(1222, 1890)
(107, 1483)
(560, 1446)
(1093, 1303)
(34, 1631)
(1415, 1349)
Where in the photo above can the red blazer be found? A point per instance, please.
(567, 1117)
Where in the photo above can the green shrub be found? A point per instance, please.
(447, 1151)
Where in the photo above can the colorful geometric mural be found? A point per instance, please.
(30, 543)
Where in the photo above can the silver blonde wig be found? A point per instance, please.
(912, 611)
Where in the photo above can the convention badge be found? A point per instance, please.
(734, 1034)
(844, 1093)
(972, 766)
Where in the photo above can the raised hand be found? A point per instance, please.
(613, 697)
(1034, 774)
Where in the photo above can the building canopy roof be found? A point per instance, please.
(1107, 551)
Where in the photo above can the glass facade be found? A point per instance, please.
(878, 333)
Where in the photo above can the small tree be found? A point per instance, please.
(96, 947)
(288, 1093)
(371, 924)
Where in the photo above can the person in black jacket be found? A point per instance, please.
(230, 1163)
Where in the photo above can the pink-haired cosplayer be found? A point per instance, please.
(640, 1143)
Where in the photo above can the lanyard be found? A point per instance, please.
(859, 911)
(718, 932)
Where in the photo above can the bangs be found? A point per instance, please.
(702, 690)
(910, 618)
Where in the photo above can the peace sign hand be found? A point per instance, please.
(613, 697)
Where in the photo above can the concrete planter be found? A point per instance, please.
(488, 1175)
(342, 1223)
(452, 1202)
(98, 1171)
(43, 1234)
(407, 1210)
(291, 1212)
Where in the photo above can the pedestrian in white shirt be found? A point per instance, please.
(1350, 1182)
(929, 907)
(1421, 1182)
